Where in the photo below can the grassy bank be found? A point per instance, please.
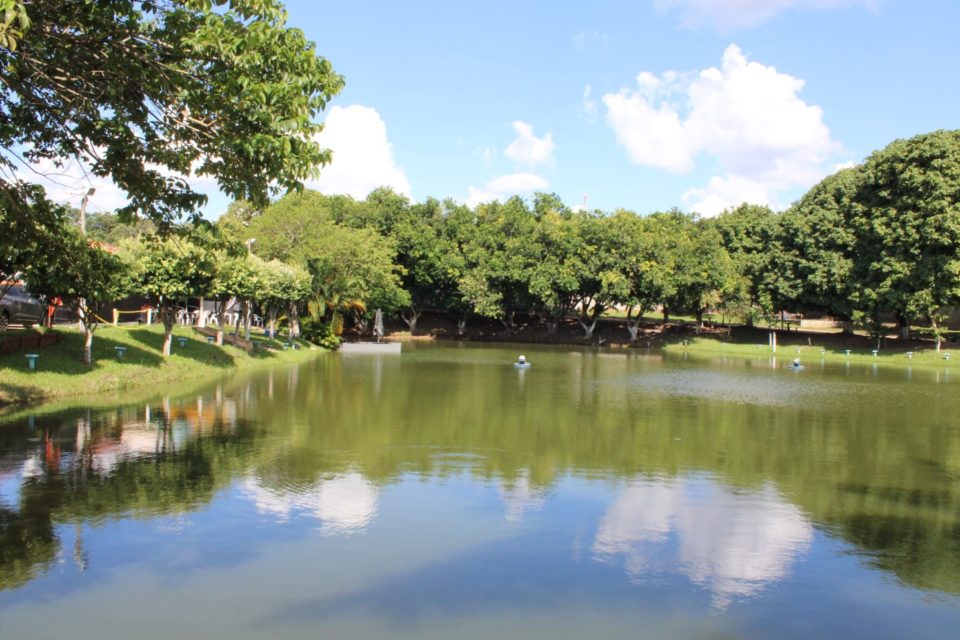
(60, 373)
(896, 356)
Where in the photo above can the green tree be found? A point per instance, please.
(150, 93)
(237, 279)
(167, 270)
(350, 269)
(31, 227)
(601, 284)
(84, 276)
(499, 254)
(555, 275)
(751, 233)
(643, 267)
(281, 286)
(817, 243)
(906, 219)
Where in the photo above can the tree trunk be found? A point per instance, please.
(411, 319)
(168, 316)
(633, 323)
(846, 327)
(87, 344)
(699, 319)
(240, 317)
(294, 321)
(273, 321)
(462, 325)
(507, 321)
(201, 319)
(935, 325)
(904, 327)
(589, 328)
(552, 324)
(221, 319)
(246, 321)
(666, 315)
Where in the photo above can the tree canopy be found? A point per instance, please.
(151, 93)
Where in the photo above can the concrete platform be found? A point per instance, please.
(371, 347)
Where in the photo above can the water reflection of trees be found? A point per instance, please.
(83, 467)
(321, 440)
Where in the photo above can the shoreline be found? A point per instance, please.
(677, 337)
(60, 374)
(61, 378)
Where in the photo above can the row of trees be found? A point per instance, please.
(86, 275)
(880, 239)
(877, 240)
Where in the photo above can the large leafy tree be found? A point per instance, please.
(643, 266)
(750, 233)
(500, 251)
(600, 281)
(817, 247)
(430, 260)
(556, 274)
(906, 218)
(702, 270)
(150, 93)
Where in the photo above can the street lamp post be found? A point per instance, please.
(83, 209)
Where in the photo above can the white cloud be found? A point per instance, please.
(849, 164)
(502, 187)
(588, 103)
(362, 154)
(723, 192)
(746, 115)
(529, 150)
(742, 14)
(591, 40)
(486, 152)
(68, 183)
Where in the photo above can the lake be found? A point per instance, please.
(444, 493)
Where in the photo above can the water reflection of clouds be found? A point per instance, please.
(344, 504)
(732, 543)
(520, 498)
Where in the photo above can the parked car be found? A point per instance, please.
(19, 306)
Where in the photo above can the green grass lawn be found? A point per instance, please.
(809, 354)
(60, 371)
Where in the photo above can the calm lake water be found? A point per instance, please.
(444, 493)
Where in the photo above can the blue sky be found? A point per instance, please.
(645, 105)
(448, 80)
